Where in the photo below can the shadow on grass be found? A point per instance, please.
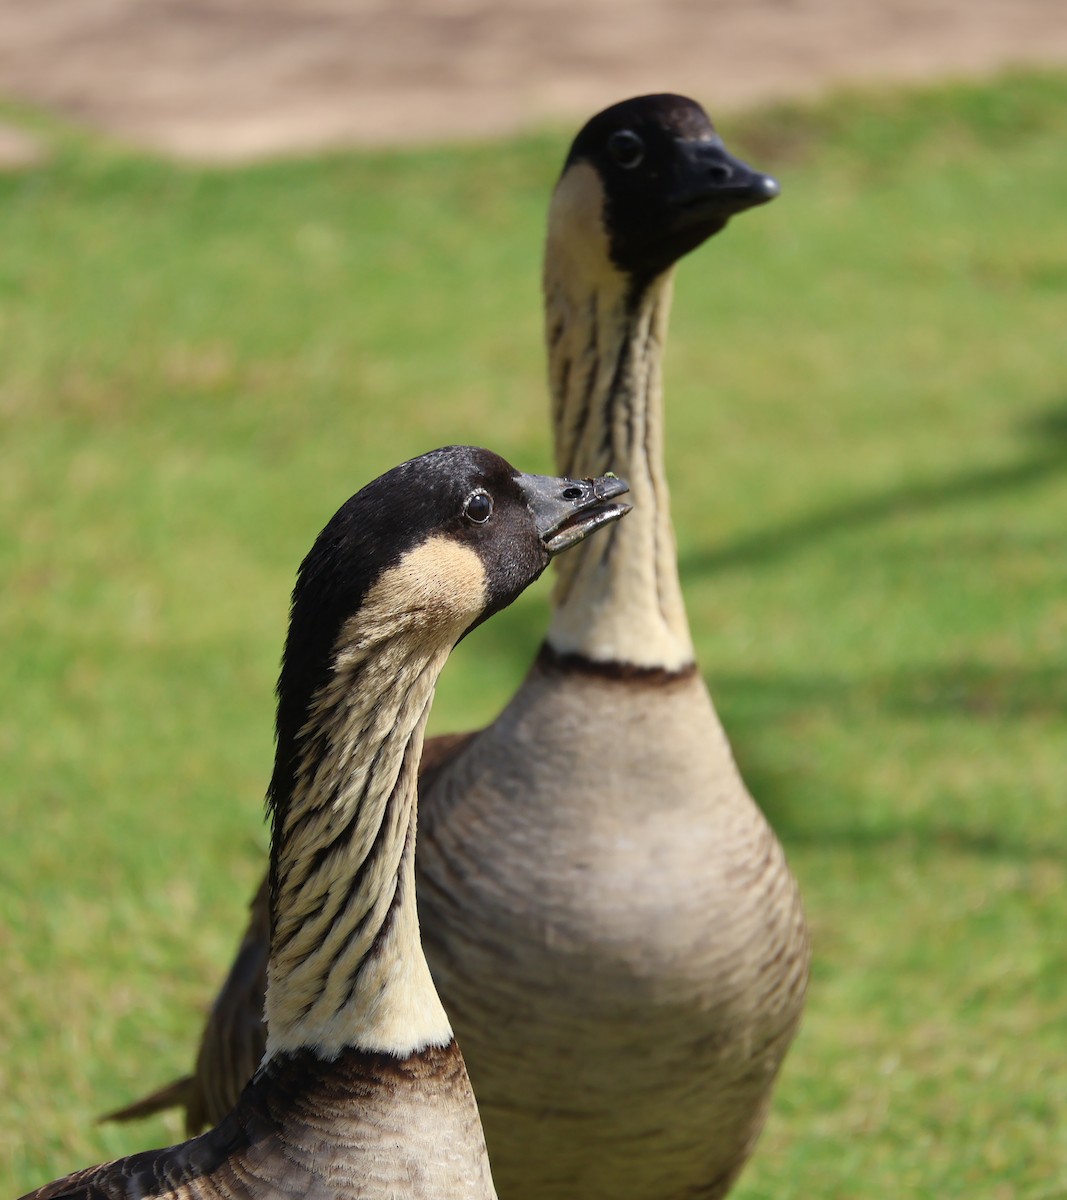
(754, 707)
(978, 691)
(915, 835)
(1049, 428)
(916, 838)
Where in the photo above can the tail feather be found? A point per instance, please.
(175, 1094)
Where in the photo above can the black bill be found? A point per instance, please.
(711, 182)
(568, 510)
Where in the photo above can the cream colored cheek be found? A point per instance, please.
(576, 219)
(441, 578)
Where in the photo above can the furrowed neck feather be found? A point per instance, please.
(618, 596)
(346, 963)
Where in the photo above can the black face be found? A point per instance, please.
(669, 182)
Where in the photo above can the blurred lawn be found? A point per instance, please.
(868, 449)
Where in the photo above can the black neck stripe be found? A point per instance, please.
(549, 659)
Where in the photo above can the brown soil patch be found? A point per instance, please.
(239, 79)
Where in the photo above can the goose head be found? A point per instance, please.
(419, 557)
(647, 181)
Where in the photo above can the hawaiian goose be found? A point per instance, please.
(362, 1091)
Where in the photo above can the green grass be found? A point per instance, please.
(868, 451)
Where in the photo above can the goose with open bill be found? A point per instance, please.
(362, 1091)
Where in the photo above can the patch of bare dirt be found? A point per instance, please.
(19, 148)
(230, 80)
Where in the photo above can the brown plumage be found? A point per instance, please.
(608, 916)
(362, 1091)
(280, 1139)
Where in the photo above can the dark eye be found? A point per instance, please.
(626, 148)
(479, 507)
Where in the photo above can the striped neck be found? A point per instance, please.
(617, 597)
(346, 963)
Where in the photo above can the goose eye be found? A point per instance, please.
(626, 148)
(479, 507)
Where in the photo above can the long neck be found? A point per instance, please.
(346, 963)
(617, 597)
